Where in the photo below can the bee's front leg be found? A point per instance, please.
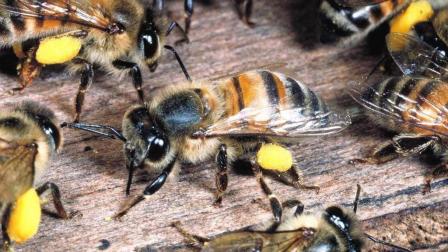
(86, 80)
(135, 73)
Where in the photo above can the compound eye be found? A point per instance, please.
(150, 41)
(158, 148)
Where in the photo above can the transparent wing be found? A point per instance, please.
(415, 57)
(258, 241)
(358, 3)
(16, 169)
(278, 122)
(408, 101)
(85, 13)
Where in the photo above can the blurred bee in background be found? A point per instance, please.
(334, 229)
(116, 36)
(243, 8)
(29, 137)
(373, 19)
(230, 118)
(412, 105)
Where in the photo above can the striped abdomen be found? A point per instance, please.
(420, 102)
(262, 89)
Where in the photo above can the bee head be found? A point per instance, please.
(345, 226)
(149, 39)
(45, 119)
(146, 140)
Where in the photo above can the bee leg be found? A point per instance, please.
(188, 7)
(246, 13)
(86, 81)
(29, 69)
(438, 172)
(193, 239)
(158, 5)
(276, 206)
(56, 195)
(221, 179)
(294, 177)
(152, 188)
(5, 236)
(179, 60)
(381, 154)
(185, 38)
(136, 75)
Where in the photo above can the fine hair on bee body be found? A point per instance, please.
(223, 119)
(29, 137)
(333, 229)
(118, 36)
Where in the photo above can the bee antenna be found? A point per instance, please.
(358, 193)
(130, 176)
(375, 240)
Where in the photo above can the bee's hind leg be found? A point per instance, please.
(5, 219)
(188, 7)
(294, 178)
(401, 145)
(276, 206)
(221, 179)
(56, 195)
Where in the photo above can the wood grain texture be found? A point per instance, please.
(93, 182)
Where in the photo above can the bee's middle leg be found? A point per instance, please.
(401, 145)
(221, 178)
(86, 81)
(56, 195)
(276, 206)
(136, 75)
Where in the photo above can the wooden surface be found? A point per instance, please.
(93, 182)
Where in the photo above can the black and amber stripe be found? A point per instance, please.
(418, 101)
(265, 88)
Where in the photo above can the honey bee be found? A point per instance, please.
(29, 137)
(117, 36)
(413, 105)
(334, 229)
(243, 7)
(226, 118)
(373, 19)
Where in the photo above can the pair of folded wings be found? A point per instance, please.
(419, 61)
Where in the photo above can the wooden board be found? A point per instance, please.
(93, 182)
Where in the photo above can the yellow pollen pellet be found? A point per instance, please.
(58, 50)
(274, 157)
(25, 217)
(418, 11)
